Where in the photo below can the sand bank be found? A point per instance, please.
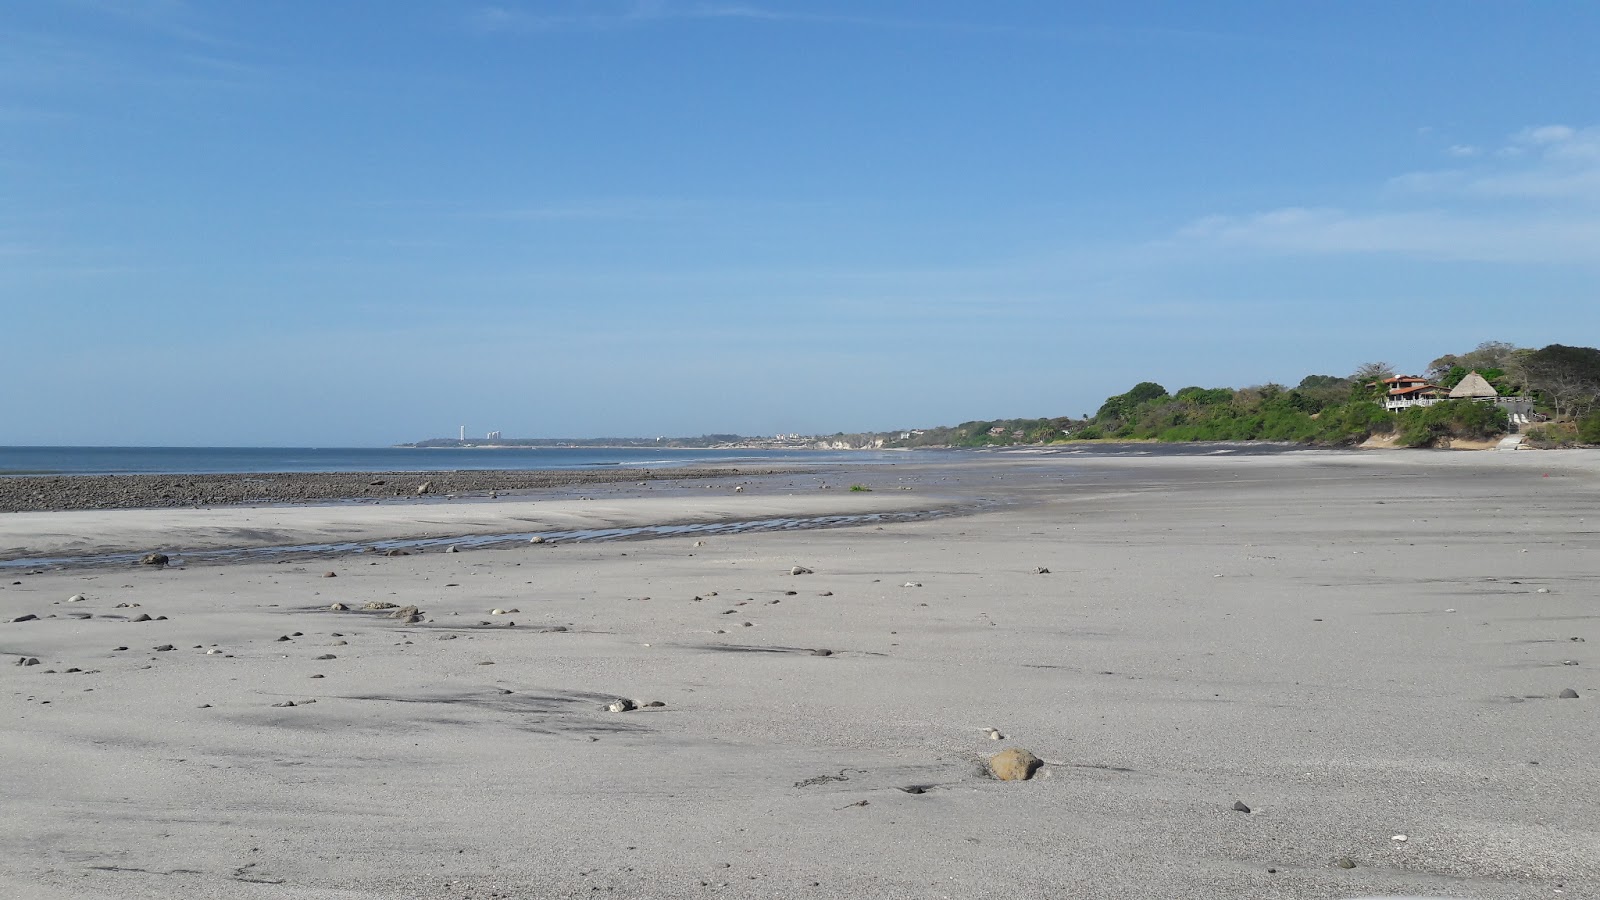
(1356, 647)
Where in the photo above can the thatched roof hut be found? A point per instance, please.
(1473, 387)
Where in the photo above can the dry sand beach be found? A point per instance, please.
(1355, 646)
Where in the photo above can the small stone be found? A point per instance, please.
(820, 651)
(338, 607)
(327, 656)
(1569, 694)
(330, 574)
(620, 706)
(284, 703)
(1345, 862)
(536, 539)
(487, 662)
(451, 549)
(284, 637)
(143, 617)
(316, 676)
(1569, 662)
(655, 704)
(25, 618)
(1542, 591)
(404, 612)
(29, 661)
(118, 649)
(912, 584)
(164, 648)
(1239, 806)
(497, 611)
(995, 735)
(800, 570)
(380, 604)
(76, 598)
(213, 652)
(1041, 571)
(398, 552)
(1014, 764)
(424, 487)
(153, 559)
(1399, 839)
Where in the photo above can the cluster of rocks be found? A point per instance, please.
(43, 493)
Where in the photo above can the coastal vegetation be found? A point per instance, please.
(1562, 382)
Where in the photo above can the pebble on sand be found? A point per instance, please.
(330, 574)
(1569, 694)
(164, 648)
(1014, 764)
(800, 570)
(76, 598)
(536, 539)
(821, 651)
(621, 705)
(338, 607)
(1041, 571)
(28, 617)
(153, 559)
(1239, 806)
(1345, 862)
(381, 604)
(994, 734)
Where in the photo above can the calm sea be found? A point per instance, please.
(212, 460)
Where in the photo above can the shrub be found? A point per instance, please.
(1589, 429)
(860, 487)
(1553, 435)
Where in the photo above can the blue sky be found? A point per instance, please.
(365, 222)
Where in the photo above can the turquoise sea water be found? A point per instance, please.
(216, 460)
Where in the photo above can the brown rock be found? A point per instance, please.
(404, 612)
(380, 604)
(1014, 764)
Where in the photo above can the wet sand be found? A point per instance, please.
(1357, 646)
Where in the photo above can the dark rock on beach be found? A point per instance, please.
(41, 493)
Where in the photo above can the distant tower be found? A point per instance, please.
(463, 432)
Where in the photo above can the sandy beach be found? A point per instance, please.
(1366, 650)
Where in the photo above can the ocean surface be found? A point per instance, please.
(222, 460)
(216, 460)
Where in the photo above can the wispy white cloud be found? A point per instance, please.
(1539, 203)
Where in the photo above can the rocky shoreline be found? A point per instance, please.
(52, 493)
